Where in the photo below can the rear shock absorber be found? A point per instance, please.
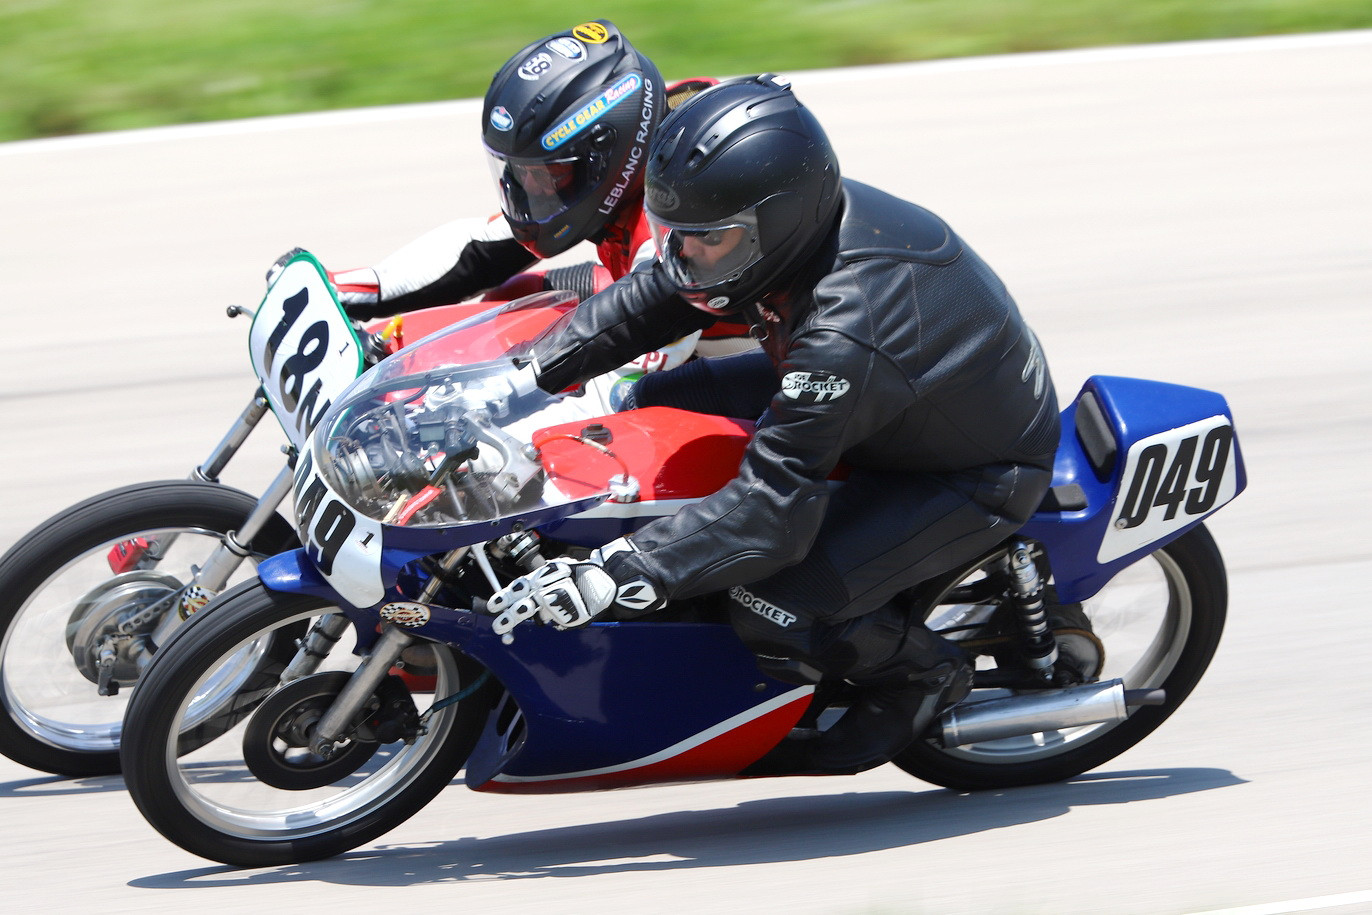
(1026, 594)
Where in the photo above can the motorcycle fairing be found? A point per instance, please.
(620, 704)
(676, 457)
(1151, 459)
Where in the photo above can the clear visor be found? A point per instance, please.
(698, 256)
(537, 191)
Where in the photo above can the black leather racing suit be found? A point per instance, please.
(897, 353)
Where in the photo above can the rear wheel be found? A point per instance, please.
(1160, 621)
(87, 596)
(254, 795)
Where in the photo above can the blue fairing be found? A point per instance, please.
(294, 572)
(1134, 410)
(610, 694)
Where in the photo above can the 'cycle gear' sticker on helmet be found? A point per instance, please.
(593, 111)
(814, 387)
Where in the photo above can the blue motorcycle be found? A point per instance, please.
(324, 703)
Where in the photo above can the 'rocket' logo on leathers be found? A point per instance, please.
(814, 387)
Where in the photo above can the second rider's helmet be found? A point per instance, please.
(742, 186)
(566, 126)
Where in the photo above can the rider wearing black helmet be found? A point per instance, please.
(562, 122)
(889, 348)
(565, 125)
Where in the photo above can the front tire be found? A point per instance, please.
(61, 600)
(211, 802)
(1160, 621)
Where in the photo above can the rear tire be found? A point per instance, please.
(1183, 587)
(56, 583)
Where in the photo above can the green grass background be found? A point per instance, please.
(73, 66)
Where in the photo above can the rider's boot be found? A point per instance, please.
(888, 715)
(905, 677)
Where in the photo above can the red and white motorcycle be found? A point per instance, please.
(88, 595)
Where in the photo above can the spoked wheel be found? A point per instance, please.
(256, 796)
(1159, 621)
(88, 596)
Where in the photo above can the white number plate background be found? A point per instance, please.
(1170, 480)
(303, 347)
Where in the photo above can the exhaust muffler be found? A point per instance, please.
(1050, 710)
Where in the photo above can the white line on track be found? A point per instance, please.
(447, 108)
(1296, 905)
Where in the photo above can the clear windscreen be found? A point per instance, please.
(440, 433)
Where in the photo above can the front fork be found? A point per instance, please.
(213, 466)
(213, 576)
(336, 723)
(209, 579)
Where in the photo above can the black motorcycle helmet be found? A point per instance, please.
(742, 185)
(566, 125)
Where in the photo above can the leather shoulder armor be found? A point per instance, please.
(876, 224)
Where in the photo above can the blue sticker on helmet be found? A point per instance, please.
(500, 118)
(591, 112)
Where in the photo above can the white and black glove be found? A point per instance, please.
(357, 290)
(570, 593)
(497, 392)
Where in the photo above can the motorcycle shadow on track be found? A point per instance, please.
(60, 786)
(753, 832)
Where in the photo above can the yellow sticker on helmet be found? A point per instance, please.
(592, 32)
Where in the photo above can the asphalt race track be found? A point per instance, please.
(1198, 213)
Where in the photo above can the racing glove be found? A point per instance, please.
(570, 593)
(353, 287)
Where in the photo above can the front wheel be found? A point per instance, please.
(88, 595)
(1159, 621)
(254, 795)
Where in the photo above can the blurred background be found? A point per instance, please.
(78, 66)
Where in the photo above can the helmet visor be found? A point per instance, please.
(701, 255)
(538, 191)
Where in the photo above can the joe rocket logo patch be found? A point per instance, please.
(814, 387)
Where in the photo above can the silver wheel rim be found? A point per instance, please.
(1143, 617)
(214, 786)
(45, 693)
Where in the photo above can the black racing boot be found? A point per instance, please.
(887, 717)
(903, 676)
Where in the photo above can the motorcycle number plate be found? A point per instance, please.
(1170, 481)
(303, 347)
(343, 544)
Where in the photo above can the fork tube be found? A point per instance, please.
(447, 565)
(208, 472)
(229, 555)
(375, 666)
(315, 646)
(355, 693)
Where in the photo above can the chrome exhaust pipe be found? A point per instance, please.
(1049, 710)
